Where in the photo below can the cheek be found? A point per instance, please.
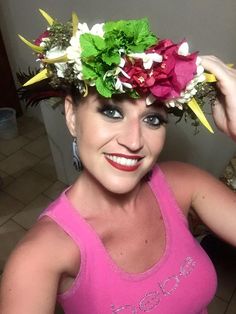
(93, 136)
(156, 141)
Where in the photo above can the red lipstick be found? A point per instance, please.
(121, 166)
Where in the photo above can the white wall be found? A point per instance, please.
(208, 25)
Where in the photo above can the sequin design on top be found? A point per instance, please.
(164, 288)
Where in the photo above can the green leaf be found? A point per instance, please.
(111, 59)
(89, 72)
(111, 26)
(133, 94)
(102, 88)
(142, 29)
(88, 46)
(99, 42)
(132, 35)
(143, 35)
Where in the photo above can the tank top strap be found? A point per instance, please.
(165, 197)
(68, 218)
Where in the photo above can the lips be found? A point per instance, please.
(124, 162)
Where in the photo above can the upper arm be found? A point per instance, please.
(215, 203)
(211, 199)
(31, 276)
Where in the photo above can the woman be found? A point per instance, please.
(117, 240)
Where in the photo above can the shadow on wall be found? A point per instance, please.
(178, 147)
(211, 152)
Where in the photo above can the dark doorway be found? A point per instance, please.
(8, 94)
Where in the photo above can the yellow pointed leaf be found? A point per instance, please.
(47, 17)
(37, 78)
(36, 48)
(193, 105)
(75, 22)
(56, 60)
(210, 78)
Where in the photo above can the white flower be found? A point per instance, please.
(74, 54)
(44, 42)
(150, 99)
(56, 53)
(198, 60)
(83, 28)
(122, 62)
(119, 85)
(124, 73)
(74, 50)
(78, 70)
(183, 49)
(200, 70)
(115, 73)
(148, 58)
(97, 29)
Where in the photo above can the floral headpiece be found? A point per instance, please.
(122, 57)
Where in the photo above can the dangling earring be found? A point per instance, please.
(76, 160)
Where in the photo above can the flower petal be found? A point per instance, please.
(183, 49)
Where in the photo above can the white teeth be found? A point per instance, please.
(122, 160)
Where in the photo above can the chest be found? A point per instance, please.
(135, 240)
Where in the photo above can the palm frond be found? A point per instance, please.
(33, 94)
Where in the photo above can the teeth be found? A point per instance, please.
(122, 160)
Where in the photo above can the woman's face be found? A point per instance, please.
(119, 141)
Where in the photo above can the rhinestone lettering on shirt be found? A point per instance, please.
(166, 288)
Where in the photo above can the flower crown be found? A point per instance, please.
(122, 57)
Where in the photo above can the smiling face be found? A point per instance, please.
(119, 139)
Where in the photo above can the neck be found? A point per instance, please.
(89, 194)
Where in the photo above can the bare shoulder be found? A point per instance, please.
(32, 274)
(185, 181)
(178, 172)
(213, 201)
(46, 243)
(177, 167)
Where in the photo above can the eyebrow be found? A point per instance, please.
(157, 106)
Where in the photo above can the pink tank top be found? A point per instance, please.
(183, 281)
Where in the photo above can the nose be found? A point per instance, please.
(131, 136)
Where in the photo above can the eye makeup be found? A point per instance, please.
(110, 110)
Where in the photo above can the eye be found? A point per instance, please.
(111, 111)
(154, 120)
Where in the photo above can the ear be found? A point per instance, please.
(70, 114)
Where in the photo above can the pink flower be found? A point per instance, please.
(175, 71)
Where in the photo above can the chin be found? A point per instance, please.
(121, 185)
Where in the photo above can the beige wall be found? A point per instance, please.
(208, 25)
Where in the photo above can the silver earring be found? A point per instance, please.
(76, 160)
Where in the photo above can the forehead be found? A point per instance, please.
(123, 100)
(123, 103)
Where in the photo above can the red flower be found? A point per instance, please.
(41, 37)
(140, 78)
(175, 71)
(39, 40)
